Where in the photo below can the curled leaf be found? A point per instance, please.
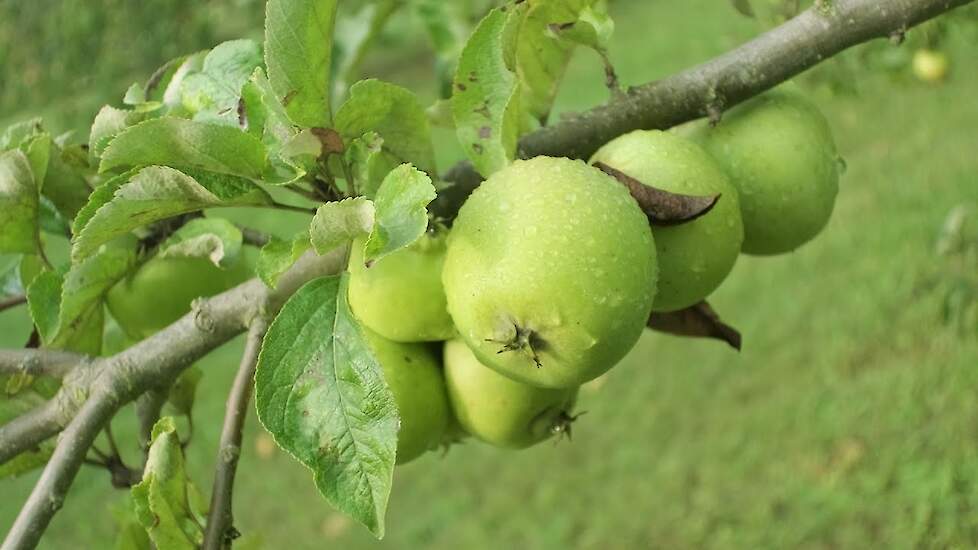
(699, 321)
(662, 207)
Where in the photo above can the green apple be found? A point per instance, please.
(162, 290)
(930, 65)
(400, 296)
(550, 272)
(779, 152)
(696, 256)
(500, 410)
(415, 378)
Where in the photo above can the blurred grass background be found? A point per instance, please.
(850, 419)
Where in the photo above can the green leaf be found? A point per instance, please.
(368, 164)
(340, 222)
(170, 90)
(266, 117)
(217, 87)
(108, 123)
(181, 143)
(401, 215)
(216, 239)
(160, 499)
(80, 319)
(278, 255)
(593, 29)
(542, 57)
(65, 184)
(17, 133)
(184, 391)
(393, 112)
(18, 204)
(155, 193)
(298, 53)
(10, 281)
(321, 394)
(44, 303)
(99, 197)
(486, 91)
(130, 533)
(38, 151)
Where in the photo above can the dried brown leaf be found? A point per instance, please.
(662, 207)
(699, 321)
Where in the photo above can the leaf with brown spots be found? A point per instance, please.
(662, 207)
(698, 321)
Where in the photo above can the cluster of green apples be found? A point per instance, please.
(551, 269)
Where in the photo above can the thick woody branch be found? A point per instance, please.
(159, 359)
(220, 520)
(37, 362)
(706, 90)
(27, 431)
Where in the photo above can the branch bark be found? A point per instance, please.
(221, 519)
(148, 408)
(12, 301)
(38, 362)
(28, 430)
(756, 66)
(119, 379)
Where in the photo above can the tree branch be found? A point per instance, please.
(27, 431)
(220, 519)
(49, 492)
(148, 408)
(119, 379)
(12, 301)
(38, 362)
(762, 63)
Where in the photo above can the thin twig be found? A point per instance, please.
(148, 408)
(12, 301)
(303, 192)
(221, 519)
(113, 447)
(292, 208)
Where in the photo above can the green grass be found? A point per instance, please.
(848, 421)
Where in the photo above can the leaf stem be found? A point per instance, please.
(292, 208)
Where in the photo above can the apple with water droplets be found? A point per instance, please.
(550, 272)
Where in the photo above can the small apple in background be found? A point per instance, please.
(930, 65)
